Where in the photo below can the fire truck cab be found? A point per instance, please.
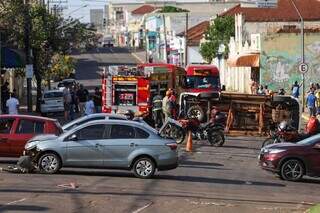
(134, 87)
(203, 79)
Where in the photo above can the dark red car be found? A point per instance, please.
(291, 161)
(16, 130)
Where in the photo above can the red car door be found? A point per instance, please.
(6, 130)
(26, 129)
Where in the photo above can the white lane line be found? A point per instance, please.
(16, 201)
(142, 208)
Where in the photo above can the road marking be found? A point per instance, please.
(142, 208)
(137, 57)
(14, 202)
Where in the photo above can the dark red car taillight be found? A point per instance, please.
(172, 146)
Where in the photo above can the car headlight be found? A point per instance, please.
(31, 145)
(276, 151)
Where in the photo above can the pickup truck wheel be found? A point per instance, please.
(195, 112)
(49, 163)
(144, 168)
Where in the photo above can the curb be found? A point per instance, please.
(314, 209)
(137, 57)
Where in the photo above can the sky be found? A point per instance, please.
(76, 8)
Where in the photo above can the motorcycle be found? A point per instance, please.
(212, 132)
(286, 133)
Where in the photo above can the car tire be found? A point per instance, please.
(195, 112)
(144, 168)
(49, 163)
(292, 170)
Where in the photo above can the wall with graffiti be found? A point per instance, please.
(281, 56)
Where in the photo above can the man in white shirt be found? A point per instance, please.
(12, 104)
(89, 106)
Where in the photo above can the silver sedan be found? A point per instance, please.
(116, 144)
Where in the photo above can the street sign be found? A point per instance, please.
(29, 70)
(259, 3)
(303, 67)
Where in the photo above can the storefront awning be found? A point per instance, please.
(244, 60)
(12, 58)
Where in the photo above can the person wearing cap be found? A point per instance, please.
(166, 108)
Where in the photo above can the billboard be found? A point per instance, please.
(259, 3)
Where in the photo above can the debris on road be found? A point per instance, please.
(71, 185)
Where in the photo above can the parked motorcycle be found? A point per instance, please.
(212, 132)
(286, 133)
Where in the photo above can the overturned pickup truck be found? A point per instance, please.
(246, 114)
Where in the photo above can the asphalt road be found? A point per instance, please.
(225, 179)
(90, 64)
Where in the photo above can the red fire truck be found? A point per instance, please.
(133, 88)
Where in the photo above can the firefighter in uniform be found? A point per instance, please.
(157, 110)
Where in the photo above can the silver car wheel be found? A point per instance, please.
(49, 163)
(144, 168)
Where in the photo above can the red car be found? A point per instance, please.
(16, 130)
(291, 161)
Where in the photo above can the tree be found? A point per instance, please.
(219, 32)
(50, 35)
(62, 67)
(172, 9)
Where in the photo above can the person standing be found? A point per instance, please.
(82, 95)
(157, 110)
(73, 103)
(172, 104)
(66, 102)
(295, 89)
(311, 102)
(166, 105)
(97, 100)
(5, 95)
(12, 104)
(89, 106)
(261, 90)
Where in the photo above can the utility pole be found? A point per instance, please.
(29, 67)
(302, 51)
(165, 38)
(186, 41)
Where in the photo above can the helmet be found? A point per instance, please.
(283, 126)
(129, 114)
